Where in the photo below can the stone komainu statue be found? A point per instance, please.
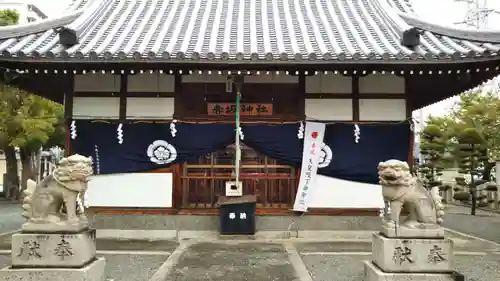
(54, 204)
(400, 189)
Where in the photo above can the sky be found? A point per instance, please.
(449, 12)
(446, 12)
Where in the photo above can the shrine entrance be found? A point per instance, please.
(203, 180)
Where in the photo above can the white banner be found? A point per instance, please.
(313, 138)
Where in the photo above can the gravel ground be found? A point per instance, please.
(349, 268)
(122, 267)
(132, 267)
(234, 262)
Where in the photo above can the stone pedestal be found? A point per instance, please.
(373, 273)
(53, 250)
(55, 256)
(404, 232)
(396, 258)
(412, 255)
(94, 271)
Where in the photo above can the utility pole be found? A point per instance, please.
(478, 14)
(477, 17)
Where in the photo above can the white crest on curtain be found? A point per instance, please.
(173, 130)
(357, 133)
(300, 133)
(119, 133)
(72, 129)
(97, 164)
(240, 133)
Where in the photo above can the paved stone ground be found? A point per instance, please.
(485, 224)
(283, 260)
(287, 260)
(10, 216)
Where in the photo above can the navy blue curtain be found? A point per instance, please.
(343, 158)
(88, 138)
(358, 161)
(277, 141)
(148, 146)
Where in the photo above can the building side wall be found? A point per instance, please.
(324, 97)
(328, 97)
(374, 97)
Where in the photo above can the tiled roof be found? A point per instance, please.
(212, 30)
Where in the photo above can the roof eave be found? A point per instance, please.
(251, 62)
(451, 31)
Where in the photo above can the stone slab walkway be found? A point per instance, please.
(234, 262)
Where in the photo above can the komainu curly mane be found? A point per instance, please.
(400, 187)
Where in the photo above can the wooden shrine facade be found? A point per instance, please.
(133, 61)
(159, 96)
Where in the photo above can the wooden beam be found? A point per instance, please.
(375, 96)
(127, 94)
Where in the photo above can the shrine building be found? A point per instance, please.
(150, 91)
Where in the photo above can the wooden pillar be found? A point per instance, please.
(355, 97)
(69, 82)
(180, 191)
(302, 94)
(178, 106)
(123, 98)
(409, 113)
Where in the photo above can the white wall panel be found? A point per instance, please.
(381, 84)
(343, 194)
(329, 84)
(329, 109)
(97, 82)
(382, 109)
(146, 190)
(150, 108)
(151, 82)
(271, 78)
(204, 78)
(94, 108)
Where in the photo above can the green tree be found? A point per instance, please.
(27, 122)
(8, 17)
(470, 151)
(476, 113)
(433, 148)
(480, 111)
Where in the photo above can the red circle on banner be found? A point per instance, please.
(314, 135)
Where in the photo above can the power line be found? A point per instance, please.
(478, 13)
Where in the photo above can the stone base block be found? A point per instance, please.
(62, 227)
(92, 272)
(31, 250)
(373, 273)
(412, 233)
(412, 255)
